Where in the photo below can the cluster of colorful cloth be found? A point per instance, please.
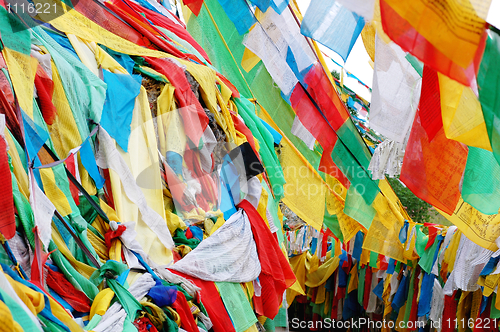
(435, 74)
(134, 194)
(446, 281)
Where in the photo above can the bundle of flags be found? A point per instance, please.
(444, 282)
(433, 105)
(146, 161)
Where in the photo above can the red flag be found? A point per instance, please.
(212, 302)
(71, 165)
(276, 274)
(182, 308)
(194, 5)
(7, 220)
(410, 40)
(430, 103)
(77, 299)
(432, 170)
(139, 23)
(433, 232)
(95, 12)
(45, 90)
(317, 125)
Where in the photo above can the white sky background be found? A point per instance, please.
(494, 14)
(358, 61)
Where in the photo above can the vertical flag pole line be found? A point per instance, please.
(77, 240)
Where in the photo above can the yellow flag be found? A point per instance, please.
(249, 60)
(462, 114)
(368, 36)
(142, 160)
(321, 275)
(7, 323)
(298, 264)
(480, 228)
(454, 27)
(304, 190)
(53, 192)
(101, 302)
(22, 68)
(383, 238)
(64, 131)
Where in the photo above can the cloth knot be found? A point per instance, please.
(110, 235)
